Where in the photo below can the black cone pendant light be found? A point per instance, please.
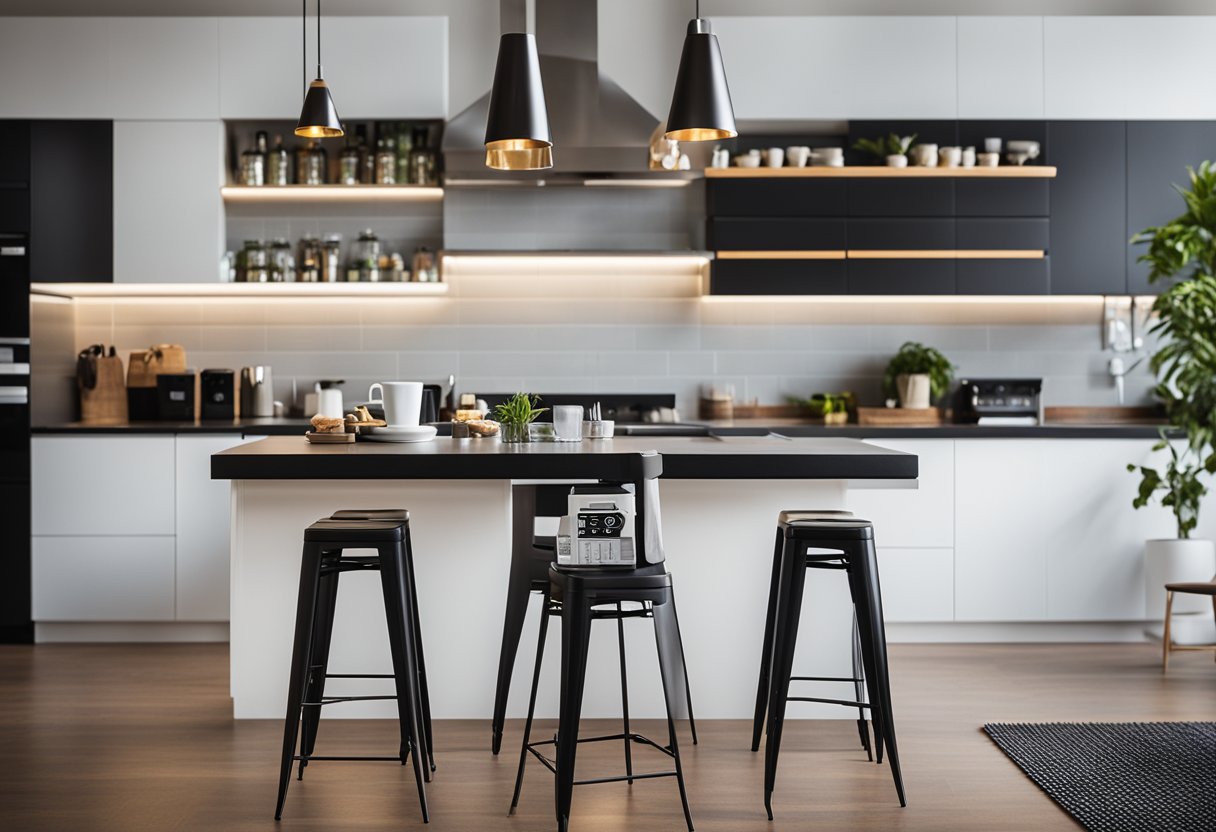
(318, 117)
(700, 108)
(517, 129)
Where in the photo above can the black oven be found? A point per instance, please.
(15, 621)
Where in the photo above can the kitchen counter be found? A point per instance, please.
(720, 500)
(793, 428)
(702, 457)
(252, 427)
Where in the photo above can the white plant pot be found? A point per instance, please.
(913, 390)
(897, 160)
(1175, 561)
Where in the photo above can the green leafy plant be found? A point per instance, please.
(914, 358)
(821, 404)
(1183, 490)
(1184, 251)
(520, 409)
(889, 145)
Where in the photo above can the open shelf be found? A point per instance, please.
(291, 194)
(882, 172)
(239, 290)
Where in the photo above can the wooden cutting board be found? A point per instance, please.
(896, 416)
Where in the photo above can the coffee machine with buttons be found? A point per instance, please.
(598, 529)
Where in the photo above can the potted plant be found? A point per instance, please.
(832, 407)
(515, 414)
(917, 375)
(1184, 251)
(891, 148)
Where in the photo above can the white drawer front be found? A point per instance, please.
(103, 578)
(102, 485)
(917, 584)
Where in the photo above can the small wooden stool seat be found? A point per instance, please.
(1199, 588)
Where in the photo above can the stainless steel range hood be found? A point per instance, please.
(599, 131)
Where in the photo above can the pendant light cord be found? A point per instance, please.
(698, 8)
(304, 45)
(319, 37)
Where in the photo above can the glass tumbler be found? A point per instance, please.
(568, 422)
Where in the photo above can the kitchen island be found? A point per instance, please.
(720, 499)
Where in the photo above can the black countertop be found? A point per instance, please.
(297, 426)
(705, 457)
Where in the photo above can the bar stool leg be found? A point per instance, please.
(766, 650)
(318, 664)
(310, 575)
(424, 693)
(620, 640)
(405, 664)
(576, 632)
(675, 619)
(870, 621)
(859, 688)
(519, 590)
(789, 610)
(662, 637)
(540, 658)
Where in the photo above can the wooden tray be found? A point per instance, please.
(896, 416)
(330, 438)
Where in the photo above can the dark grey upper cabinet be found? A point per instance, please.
(1158, 153)
(72, 201)
(1088, 207)
(776, 197)
(14, 153)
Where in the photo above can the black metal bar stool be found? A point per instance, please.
(581, 595)
(531, 555)
(323, 561)
(857, 679)
(825, 540)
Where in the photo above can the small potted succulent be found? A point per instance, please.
(892, 149)
(917, 375)
(515, 414)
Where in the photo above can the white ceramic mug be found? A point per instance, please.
(988, 160)
(402, 401)
(949, 157)
(797, 155)
(992, 145)
(968, 157)
(924, 155)
(773, 157)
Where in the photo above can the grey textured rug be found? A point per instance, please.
(1121, 776)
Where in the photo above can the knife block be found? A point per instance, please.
(106, 403)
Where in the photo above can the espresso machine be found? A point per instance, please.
(598, 529)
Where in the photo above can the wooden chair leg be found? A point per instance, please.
(1165, 632)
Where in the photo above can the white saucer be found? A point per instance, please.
(402, 433)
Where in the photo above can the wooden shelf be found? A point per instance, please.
(882, 172)
(287, 194)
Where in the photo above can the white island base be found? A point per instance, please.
(718, 537)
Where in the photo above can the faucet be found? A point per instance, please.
(1118, 370)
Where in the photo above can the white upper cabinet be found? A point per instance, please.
(1000, 67)
(1129, 67)
(164, 67)
(1086, 66)
(54, 67)
(840, 67)
(376, 67)
(1169, 61)
(168, 217)
(260, 67)
(386, 67)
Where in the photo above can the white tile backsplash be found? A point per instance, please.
(611, 343)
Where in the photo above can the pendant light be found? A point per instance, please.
(318, 116)
(517, 128)
(700, 108)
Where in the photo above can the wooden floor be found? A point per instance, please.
(140, 737)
